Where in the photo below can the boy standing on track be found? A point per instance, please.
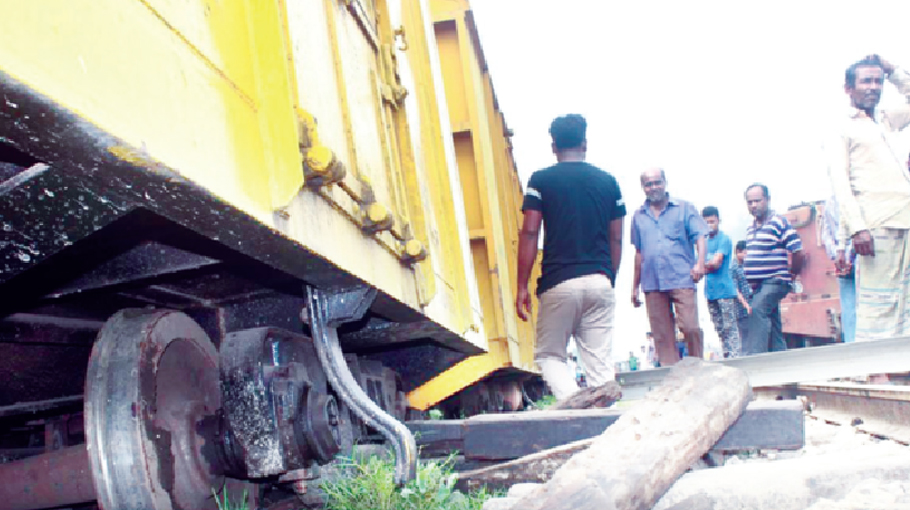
(582, 209)
(719, 286)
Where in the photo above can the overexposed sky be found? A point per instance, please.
(720, 94)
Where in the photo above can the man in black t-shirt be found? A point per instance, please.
(582, 210)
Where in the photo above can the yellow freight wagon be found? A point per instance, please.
(236, 236)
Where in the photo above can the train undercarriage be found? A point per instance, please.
(160, 344)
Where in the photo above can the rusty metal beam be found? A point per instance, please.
(60, 478)
(55, 404)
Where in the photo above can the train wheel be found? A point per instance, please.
(152, 383)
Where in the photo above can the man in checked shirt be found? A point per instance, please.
(743, 289)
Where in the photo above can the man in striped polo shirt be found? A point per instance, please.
(768, 241)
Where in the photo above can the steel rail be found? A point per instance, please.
(876, 409)
(797, 365)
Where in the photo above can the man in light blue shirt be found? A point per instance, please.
(846, 280)
(719, 286)
(666, 233)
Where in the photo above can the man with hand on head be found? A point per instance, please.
(665, 230)
(582, 210)
(871, 185)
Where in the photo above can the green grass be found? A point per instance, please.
(369, 485)
(224, 502)
(545, 402)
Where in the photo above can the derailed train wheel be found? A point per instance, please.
(152, 385)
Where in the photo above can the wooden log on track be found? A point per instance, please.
(590, 398)
(633, 463)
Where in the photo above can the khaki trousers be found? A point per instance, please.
(581, 307)
(664, 310)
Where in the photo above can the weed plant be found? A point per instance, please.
(370, 485)
(545, 402)
(224, 502)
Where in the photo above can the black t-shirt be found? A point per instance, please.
(578, 201)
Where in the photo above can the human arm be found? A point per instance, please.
(636, 280)
(527, 254)
(742, 286)
(696, 230)
(701, 246)
(797, 261)
(791, 241)
(744, 302)
(616, 244)
(897, 118)
(842, 266)
(830, 228)
(716, 260)
(850, 217)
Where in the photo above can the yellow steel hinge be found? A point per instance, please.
(392, 90)
(320, 165)
(402, 39)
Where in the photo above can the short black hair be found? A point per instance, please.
(850, 73)
(568, 131)
(764, 189)
(710, 211)
(741, 245)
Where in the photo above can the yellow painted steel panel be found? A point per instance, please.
(447, 9)
(447, 250)
(361, 90)
(486, 282)
(217, 30)
(215, 90)
(467, 169)
(492, 200)
(485, 167)
(447, 39)
(163, 97)
(275, 101)
(460, 376)
(318, 88)
(318, 223)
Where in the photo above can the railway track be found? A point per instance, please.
(881, 411)
(797, 366)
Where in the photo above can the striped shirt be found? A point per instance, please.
(767, 246)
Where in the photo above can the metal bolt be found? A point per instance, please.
(332, 413)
